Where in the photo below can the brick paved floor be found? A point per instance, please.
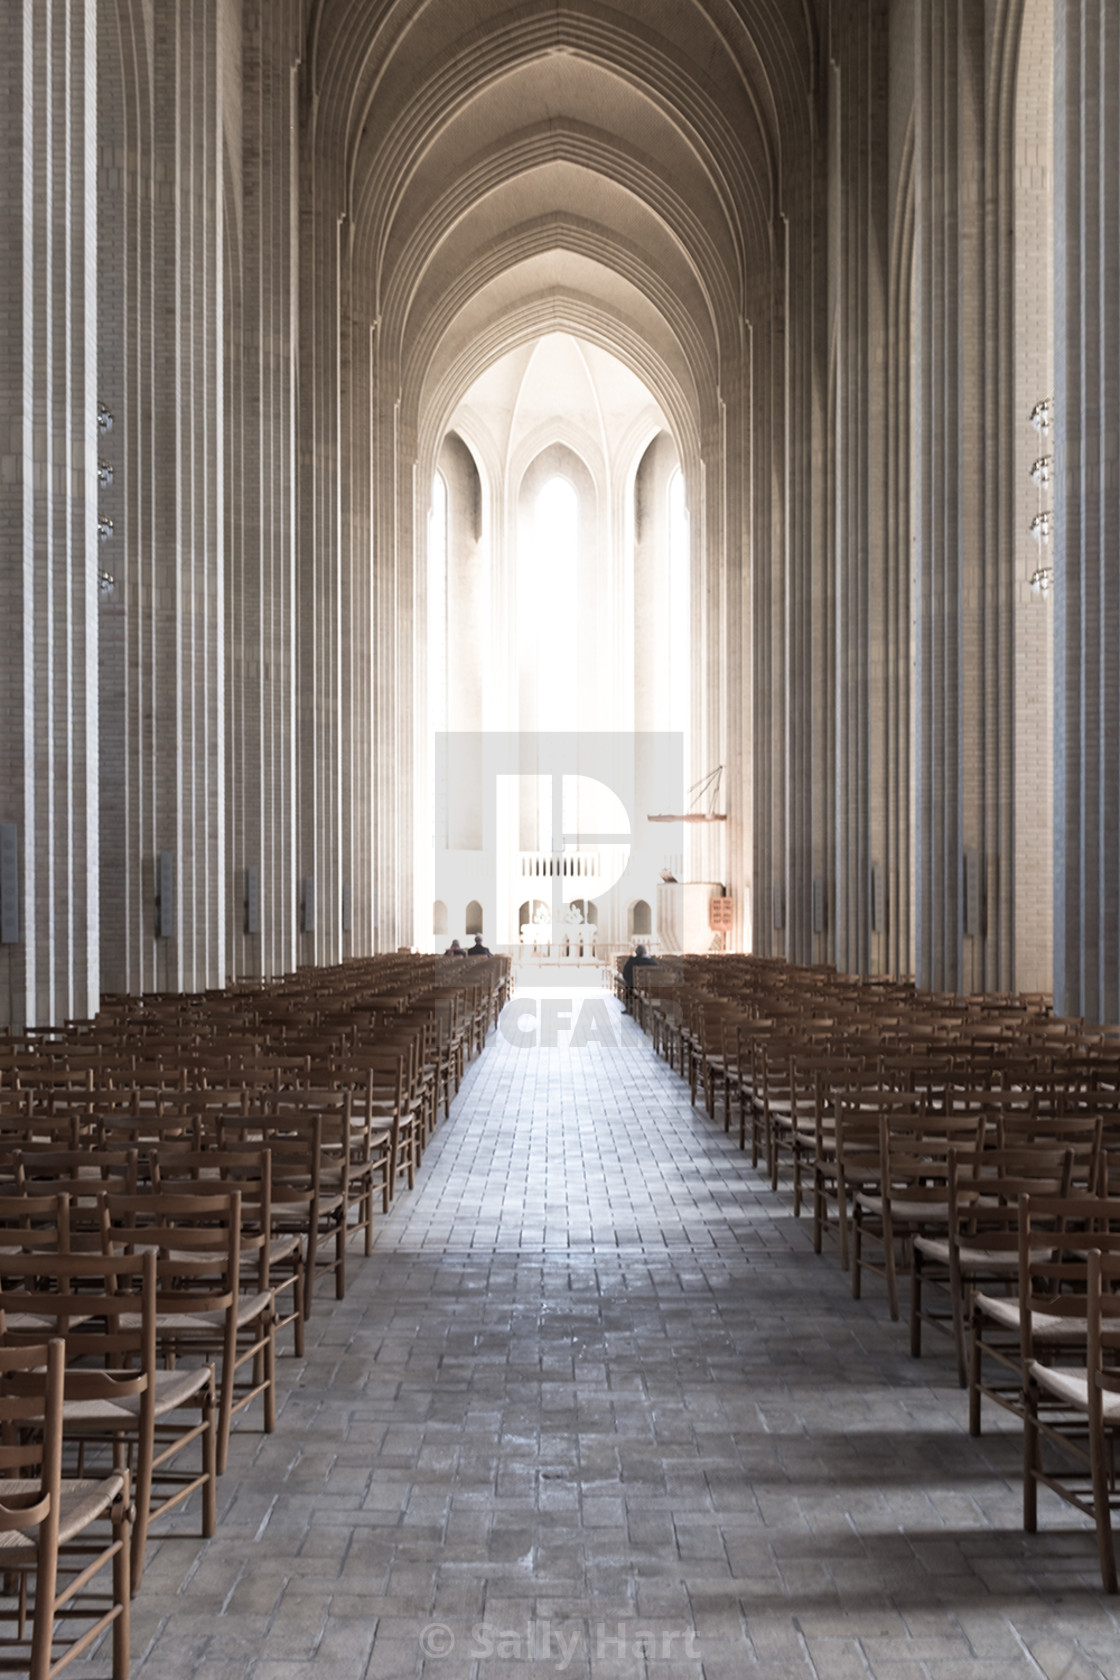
(594, 1408)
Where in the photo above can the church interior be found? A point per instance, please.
(565, 474)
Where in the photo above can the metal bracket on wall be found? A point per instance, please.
(9, 884)
(165, 895)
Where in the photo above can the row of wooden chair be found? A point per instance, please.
(969, 1144)
(175, 1182)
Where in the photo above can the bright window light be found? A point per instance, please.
(437, 605)
(679, 639)
(551, 575)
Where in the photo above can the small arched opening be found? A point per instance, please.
(639, 919)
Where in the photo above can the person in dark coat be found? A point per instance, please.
(478, 949)
(640, 959)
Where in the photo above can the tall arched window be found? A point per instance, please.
(679, 675)
(554, 570)
(437, 605)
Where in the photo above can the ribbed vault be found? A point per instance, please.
(492, 173)
(495, 152)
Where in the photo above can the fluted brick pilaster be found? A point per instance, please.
(869, 928)
(1087, 510)
(48, 503)
(964, 580)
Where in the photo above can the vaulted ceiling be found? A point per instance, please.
(611, 171)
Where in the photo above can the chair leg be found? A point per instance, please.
(916, 1305)
(856, 1254)
(270, 1373)
(890, 1267)
(210, 1466)
(957, 1291)
(340, 1235)
(1032, 1450)
(122, 1586)
(842, 1219)
(298, 1290)
(225, 1397)
(46, 1587)
(975, 1377)
(141, 1518)
(1101, 1513)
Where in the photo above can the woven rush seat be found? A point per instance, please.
(1072, 1387)
(81, 1502)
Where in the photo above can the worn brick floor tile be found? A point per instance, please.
(593, 1375)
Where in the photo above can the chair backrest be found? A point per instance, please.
(295, 1146)
(202, 1172)
(104, 1306)
(993, 1102)
(917, 1151)
(1102, 1325)
(861, 1112)
(1056, 1236)
(1082, 1135)
(31, 1380)
(79, 1171)
(82, 1175)
(323, 1117)
(986, 1186)
(34, 1224)
(196, 1241)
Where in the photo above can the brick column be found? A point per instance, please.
(168, 79)
(261, 449)
(767, 617)
(963, 741)
(809, 626)
(48, 509)
(1087, 509)
(872, 636)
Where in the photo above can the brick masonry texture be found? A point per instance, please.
(243, 226)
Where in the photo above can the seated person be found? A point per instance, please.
(454, 950)
(640, 959)
(478, 949)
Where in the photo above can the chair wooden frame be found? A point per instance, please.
(105, 1309)
(202, 1311)
(979, 1250)
(1061, 1405)
(269, 1260)
(45, 1520)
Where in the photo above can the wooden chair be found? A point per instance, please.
(911, 1194)
(202, 1311)
(856, 1164)
(306, 1201)
(819, 1079)
(319, 1121)
(1062, 1404)
(1041, 1316)
(980, 1247)
(106, 1309)
(269, 1261)
(46, 1522)
(384, 1137)
(418, 1097)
